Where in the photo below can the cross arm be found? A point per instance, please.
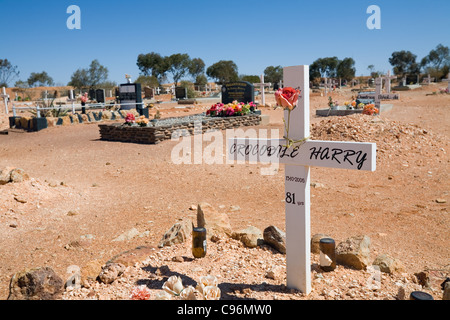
(331, 154)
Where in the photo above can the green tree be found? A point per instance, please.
(197, 67)
(437, 62)
(92, 77)
(223, 71)
(79, 79)
(273, 74)
(404, 62)
(179, 64)
(150, 81)
(97, 73)
(324, 67)
(201, 80)
(39, 79)
(8, 72)
(346, 69)
(250, 78)
(153, 64)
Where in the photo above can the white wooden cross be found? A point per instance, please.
(298, 160)
(158, 90)
(262, 85)
(428, 79)
(387, 81)
(448, 82)
(5, 99)
(72, 99)
(378, 96)
(328, 85)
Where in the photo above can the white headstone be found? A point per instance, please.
(298, 159)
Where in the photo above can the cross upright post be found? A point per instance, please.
(298, 234)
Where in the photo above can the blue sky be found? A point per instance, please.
(253, 33)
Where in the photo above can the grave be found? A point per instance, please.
(100, 95)
(91, 94)
(160, 130)
(363, 97)
(298, 160)
(148, 92)
(180, 93)
(129, 94)
(241, 91)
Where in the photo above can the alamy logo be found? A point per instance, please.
(74, 20)
(374, 21)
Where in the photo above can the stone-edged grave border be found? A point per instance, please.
(156, 133)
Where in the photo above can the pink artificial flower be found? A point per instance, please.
(140, 293)
(287, 97)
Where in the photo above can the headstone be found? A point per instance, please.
(91, 94)
(262, 86)
(100, 95)
(129, 95)
(158, 90)
(298, 160)
(148, 92)
(241, 91)
(180, 93)
(404, 82)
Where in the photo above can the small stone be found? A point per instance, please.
(40, 283)
(441, 200)
(5, 175)
(275, 273)
(388, 264)
(178, 233)
(111, 272)
(251, 237)
(128, 235)
(178, 259)
(354, 252)
(276, 238)
(18, 175)
(423, 278)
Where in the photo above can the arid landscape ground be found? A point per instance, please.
(83, 193)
